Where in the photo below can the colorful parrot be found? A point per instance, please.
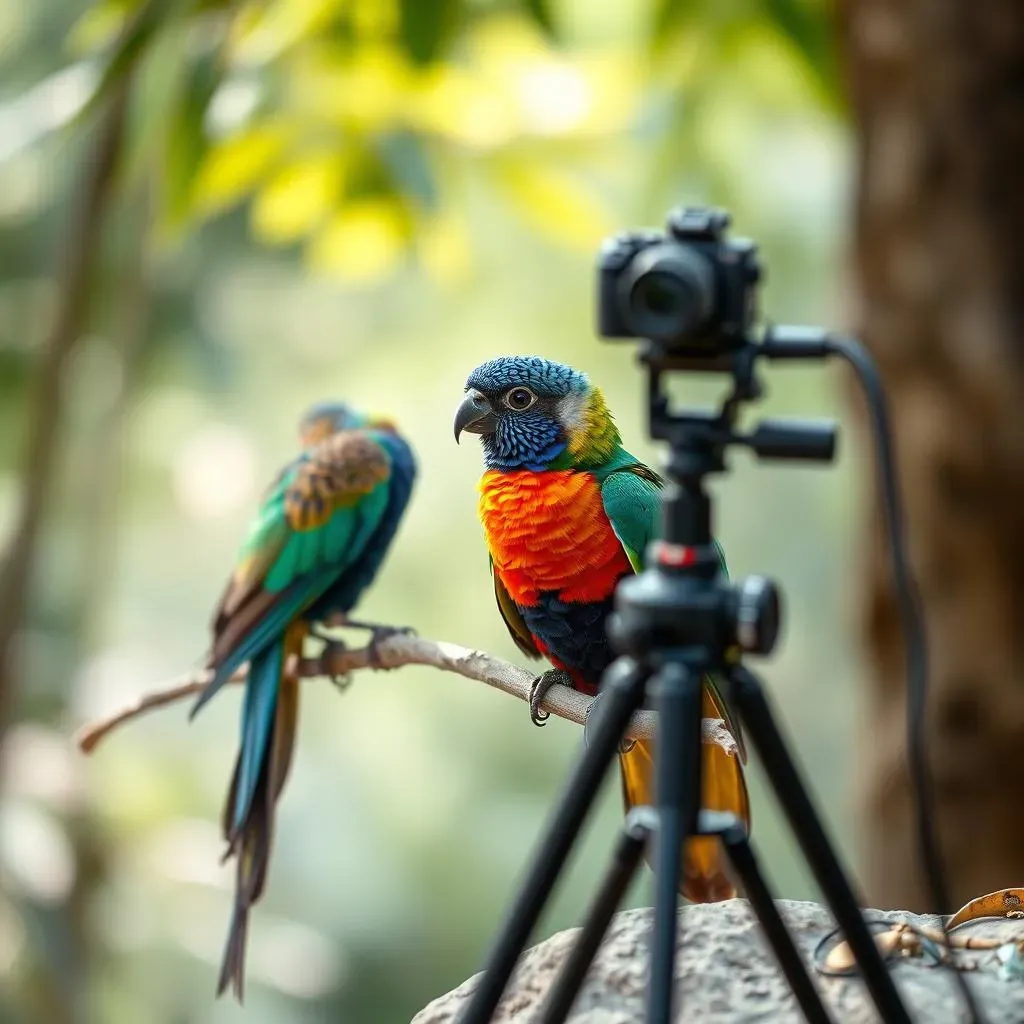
(319, 539)
(567, 512)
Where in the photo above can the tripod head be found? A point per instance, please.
(695, 293)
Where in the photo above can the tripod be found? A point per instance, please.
(674, 623)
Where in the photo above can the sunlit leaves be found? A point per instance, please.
(459, 106)
(808, 26)
(235, 165)
(354, 107)
(98, 26)
(669, 15)
(298, 197)
(363, 242)
(365, 90)
(186, 140)
(427, 26)
(543, 16)
(264, 31)
(556, 204)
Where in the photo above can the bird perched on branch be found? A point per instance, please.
(316, 543)
(567, 512)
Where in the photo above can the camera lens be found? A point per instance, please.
(667, 293)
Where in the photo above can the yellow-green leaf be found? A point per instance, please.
(185, 140)
(363, 242)
(543, 16)
(455, 103)
(365, 90)
(554, 203)
(265, 33)
(234, 166)
(98, 26)
(298, 198)
(427, 26)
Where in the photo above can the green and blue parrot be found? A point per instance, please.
(317, 542)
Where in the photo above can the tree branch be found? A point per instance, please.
(337, 661)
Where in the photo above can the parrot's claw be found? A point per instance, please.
(378, 634)
(539, 689)
(343, 681)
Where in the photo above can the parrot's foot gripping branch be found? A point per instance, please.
(539, 689)
(378, 634)
(332, 649)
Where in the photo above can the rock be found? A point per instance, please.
(727, 975)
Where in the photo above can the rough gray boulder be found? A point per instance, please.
(727, 975)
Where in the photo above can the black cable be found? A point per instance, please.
(914, 635)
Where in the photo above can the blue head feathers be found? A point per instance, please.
(542, 376)
(523, 408)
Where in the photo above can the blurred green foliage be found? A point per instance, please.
(364, 199)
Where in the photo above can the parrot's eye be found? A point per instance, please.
(520, 399)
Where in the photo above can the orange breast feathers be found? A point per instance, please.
(549, 531)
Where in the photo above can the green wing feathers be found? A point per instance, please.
(314, 523)
(631, 502)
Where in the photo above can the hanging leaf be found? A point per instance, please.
(98, 26)
(541, 13)
(427, 25)
(364, 241)
(668, 15)
(135, 38)
(185, 141)
(299, 197)
(553, 202)
(808, 27)
(234, 167)
(405, 157)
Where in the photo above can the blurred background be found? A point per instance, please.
(225, 211)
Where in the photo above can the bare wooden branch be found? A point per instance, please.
(394, 652)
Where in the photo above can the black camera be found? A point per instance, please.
(690, 290)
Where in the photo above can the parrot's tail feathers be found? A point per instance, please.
(248, 816)
(220, 677)
(232, 971)
(704, 877)
(253, 857)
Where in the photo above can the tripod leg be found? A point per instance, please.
(755, 888)
(755, 713)
(625, 684)
(677, 692)
(639, 825)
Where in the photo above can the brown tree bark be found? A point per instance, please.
(47, 406)
(937, 98)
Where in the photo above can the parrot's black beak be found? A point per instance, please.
(476, 414)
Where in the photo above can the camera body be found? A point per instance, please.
(689, 289)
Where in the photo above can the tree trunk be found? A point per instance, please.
(937, 97)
